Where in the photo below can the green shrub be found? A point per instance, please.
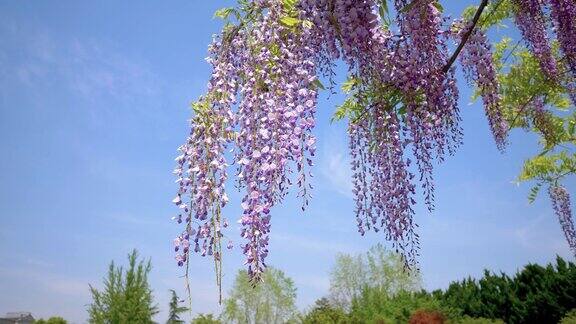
(479, 320)
(569, 318)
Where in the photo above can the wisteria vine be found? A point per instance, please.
(258, 114)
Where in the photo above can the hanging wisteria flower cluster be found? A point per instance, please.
(531, 21)
(563, 13)
(476, 60)
(258, 114)
(561, 204)
(268, 73)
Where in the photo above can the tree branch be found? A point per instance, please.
(452, 59)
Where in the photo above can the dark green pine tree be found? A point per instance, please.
(175, 309)
(536, 294)
(126, 297)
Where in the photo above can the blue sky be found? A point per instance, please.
(94, 99)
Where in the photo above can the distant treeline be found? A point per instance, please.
(536, 294)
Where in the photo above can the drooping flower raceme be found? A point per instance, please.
(561, 204)
(476, 60)
(275, 118)
(432, 112)
(202, 167)
(382, 183)
(563, 13)
(412, 66)
(267, 71)
(532, 23)
(543, 119)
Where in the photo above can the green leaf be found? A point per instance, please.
(307, 24)
(289, 5)
(223, 13)
(571, 127)
(383, 11)
(438, 6)
(534, 192)
(408, 7)
(318, 85)
(349, 84)
(562, 103)
(275, 49)
(402, 111)
(289, 21)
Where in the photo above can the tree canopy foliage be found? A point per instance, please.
(126, 296)
(272, 301)
(378, 268)
(536, 294)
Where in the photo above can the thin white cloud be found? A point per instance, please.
(56, 284)
(539, 235)
(335, 164)
(91, 69)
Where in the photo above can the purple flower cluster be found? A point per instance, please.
(432, 112)
(382, 183)
(476, 59)
(532, 23)
(276, 118)
(345, 29)
(563, 14)
(267, 72)
(413, 66)
(357, 25)
(201, 165)
(561, 204)
(262, 99)
(542, 119)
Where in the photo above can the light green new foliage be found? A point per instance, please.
(126, 297)
(379, 268)
(271, 301)
(522, 83)
(493, 15)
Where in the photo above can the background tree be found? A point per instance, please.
(375, 305)
(534, 295)
(378, 268)
(271, 301)
(324, 312)
(175, 309)
(205, 319)
(52, 320)
(126, 297)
